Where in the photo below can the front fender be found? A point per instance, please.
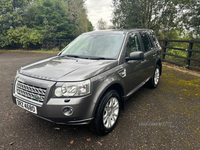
(102, 83)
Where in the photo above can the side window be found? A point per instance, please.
(146, 41)
(155, 40)
(132, 44)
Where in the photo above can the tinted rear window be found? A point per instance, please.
(146, 41)
(155, 40)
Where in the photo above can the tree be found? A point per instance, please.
(58, 18)
(50, 18)
(5, 17)
(160, 15)
(102, 25)
(10, 16)
(45, 19)
(25, 36)
(191, 17)
(90, 26)
(78, 17)
(133, 13)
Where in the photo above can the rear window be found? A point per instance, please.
(154, 38)
(146, 41)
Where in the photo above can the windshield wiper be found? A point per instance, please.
(98, 58)
(88, 57)
(75, 56)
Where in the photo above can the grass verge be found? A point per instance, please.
(31, 51)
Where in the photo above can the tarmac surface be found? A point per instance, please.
(167, 117)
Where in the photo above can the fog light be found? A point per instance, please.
(68, 111)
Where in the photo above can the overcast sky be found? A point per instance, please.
(99, 9)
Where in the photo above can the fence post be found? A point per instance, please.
(164, 49)
(59, 44)
(189, 53)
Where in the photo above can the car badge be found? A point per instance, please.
(37, 97)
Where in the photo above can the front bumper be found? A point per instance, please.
(52, 108)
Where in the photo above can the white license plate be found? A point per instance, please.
(26, 106)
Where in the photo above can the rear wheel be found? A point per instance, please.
(107, 113)
(153, 82)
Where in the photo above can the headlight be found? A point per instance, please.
(72, 89)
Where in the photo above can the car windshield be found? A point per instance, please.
(95, 46)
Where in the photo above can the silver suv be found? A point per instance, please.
(90, 79)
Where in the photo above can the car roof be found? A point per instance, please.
(117, 31)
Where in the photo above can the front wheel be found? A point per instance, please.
(107, 113)
(153, 82)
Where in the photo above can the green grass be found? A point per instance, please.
(32, 51)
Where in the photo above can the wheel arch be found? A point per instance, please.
(117, 87)
(114, 86)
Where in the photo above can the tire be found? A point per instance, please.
(154, 81)
(107, 113)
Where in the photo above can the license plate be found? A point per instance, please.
(26, 106)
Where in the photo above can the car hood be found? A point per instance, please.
(67, 69)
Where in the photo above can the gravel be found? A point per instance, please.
(167, 117)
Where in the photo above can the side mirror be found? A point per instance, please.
(138, 55)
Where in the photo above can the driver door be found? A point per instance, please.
(134, 68)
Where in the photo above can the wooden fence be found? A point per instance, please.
(189, 51)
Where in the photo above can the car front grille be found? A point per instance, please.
(31, 92)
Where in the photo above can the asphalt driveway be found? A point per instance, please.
(167, 117)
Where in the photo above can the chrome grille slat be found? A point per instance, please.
(30, 91)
